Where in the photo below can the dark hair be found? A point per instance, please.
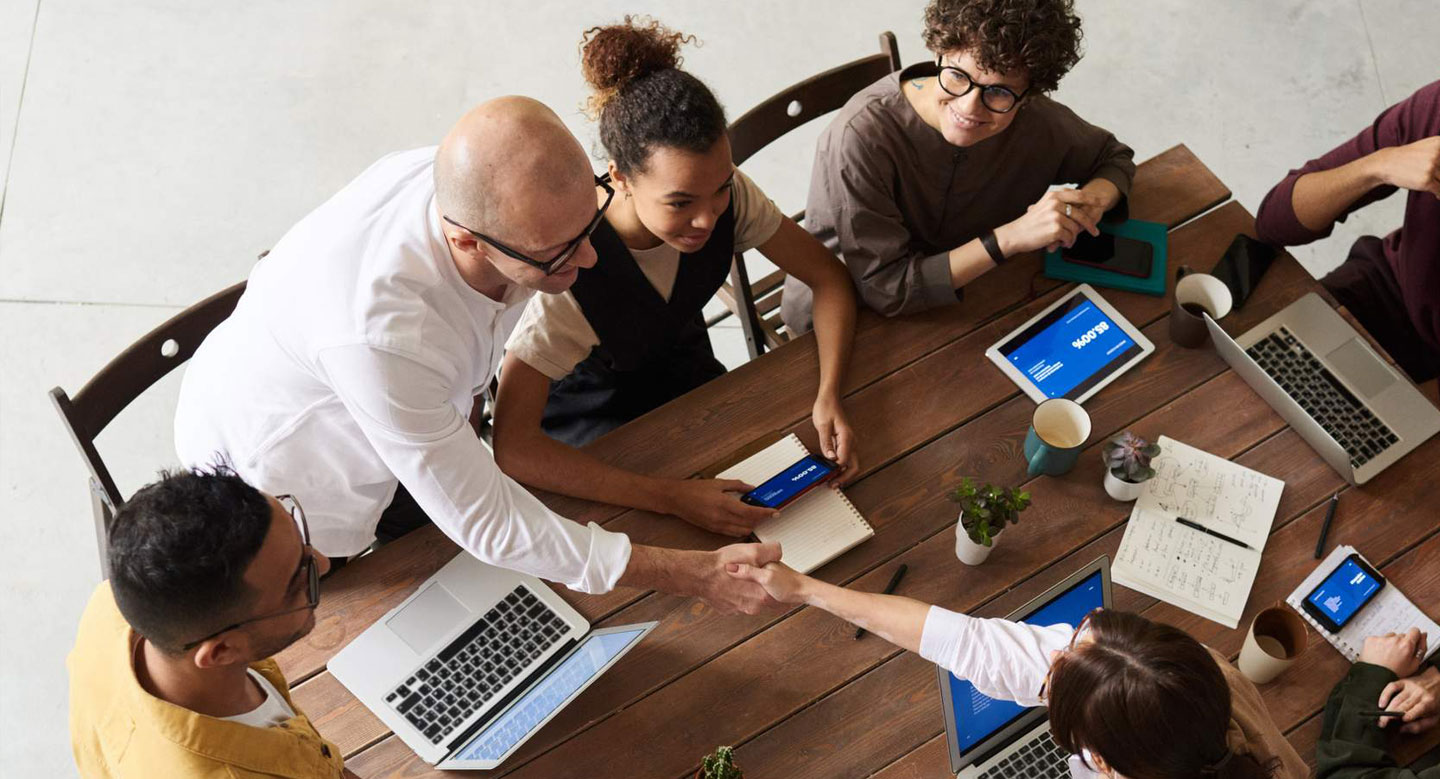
(1148, 699)
(178, 553)
(1040, 38)
(641, 97)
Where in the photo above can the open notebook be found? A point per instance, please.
(1189, 568)
(1390, 611)
(818, 527)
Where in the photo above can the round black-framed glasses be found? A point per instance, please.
(559, 261)
(308, 569)
(996, 98)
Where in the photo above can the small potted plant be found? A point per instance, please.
(984, 512)
(1127, 465)
(719, 764)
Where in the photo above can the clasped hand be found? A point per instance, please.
(1047, 225)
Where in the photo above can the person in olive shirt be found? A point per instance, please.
(170, 674)
(1386, 677)
(930, 177)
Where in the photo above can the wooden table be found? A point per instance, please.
(795, 693)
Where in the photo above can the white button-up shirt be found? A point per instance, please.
(1005, 660)
(351, 364)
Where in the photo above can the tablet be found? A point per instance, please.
(1071, 349)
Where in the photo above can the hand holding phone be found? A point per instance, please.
(785, 487)
(1341, 595)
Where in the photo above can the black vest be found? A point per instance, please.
(651, 351)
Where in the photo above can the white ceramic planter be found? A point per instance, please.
(1120, 489)
(969, 552)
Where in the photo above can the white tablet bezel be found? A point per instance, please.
(1034, 392)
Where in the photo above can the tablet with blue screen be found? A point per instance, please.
(1071, 349)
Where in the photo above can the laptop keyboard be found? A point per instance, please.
(1038, 759)
(1324, 398)
(472, 670)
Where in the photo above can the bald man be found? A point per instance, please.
(349, 369)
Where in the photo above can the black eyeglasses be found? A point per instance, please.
(558, 262)
(994, 97)
(308, 569)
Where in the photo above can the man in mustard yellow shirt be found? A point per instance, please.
(170, 675)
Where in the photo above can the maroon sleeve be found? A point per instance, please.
(1405, 122)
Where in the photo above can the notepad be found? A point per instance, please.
(1389, 612)
(818, 527)
(1192, 569)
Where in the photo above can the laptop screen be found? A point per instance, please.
(549, 695)
(977, 717)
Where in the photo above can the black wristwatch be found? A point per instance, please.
(992, 247)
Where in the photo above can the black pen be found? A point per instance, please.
(1208, 531)
(1325, 528)
(1377, 713)
(889, 589)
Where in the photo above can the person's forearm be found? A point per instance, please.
(537, 460)
(969, 260)
(1320, 198)
(899, 620)
(834, 316)
(1106, 189)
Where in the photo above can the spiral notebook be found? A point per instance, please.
(818, 527)
(1390, 611)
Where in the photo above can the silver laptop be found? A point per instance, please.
(1321, 376)
(991, 739)
(476, 661)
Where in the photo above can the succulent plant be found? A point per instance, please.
(985, 510)
(1127, 457)
(719, 764)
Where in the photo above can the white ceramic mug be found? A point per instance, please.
(1277, 636)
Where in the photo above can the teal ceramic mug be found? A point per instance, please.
(1058, 431)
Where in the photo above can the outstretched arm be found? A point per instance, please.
(899, 620)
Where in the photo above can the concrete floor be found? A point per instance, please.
(150, 149)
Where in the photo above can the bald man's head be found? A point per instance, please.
(510, 168)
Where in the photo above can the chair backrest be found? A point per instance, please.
(123, 380)
(764, 124)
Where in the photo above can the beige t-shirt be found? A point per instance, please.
(553, 335)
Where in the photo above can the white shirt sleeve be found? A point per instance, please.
(1004, 660)
(403, 407)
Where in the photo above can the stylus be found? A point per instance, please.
(1208, 531)
(1325, 528)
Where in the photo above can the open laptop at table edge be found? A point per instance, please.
(1030, 724)
(1378, 386)
(441, 612)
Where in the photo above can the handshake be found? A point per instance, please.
(745, 578)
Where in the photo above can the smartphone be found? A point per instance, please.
(812, 471)
(1242, 266)
(1112, 253)
(1341, 595)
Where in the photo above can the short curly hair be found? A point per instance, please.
(1040, 38)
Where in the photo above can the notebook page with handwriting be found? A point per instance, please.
(818, 527)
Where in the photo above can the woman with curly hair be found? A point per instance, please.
(1127, 697)
(930, 177)
(629, 336)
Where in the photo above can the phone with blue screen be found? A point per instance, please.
(784, 488)
(1341, 595)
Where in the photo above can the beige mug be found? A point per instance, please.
(1196, 294)
(1277, 636)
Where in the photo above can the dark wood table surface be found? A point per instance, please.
(795, 693)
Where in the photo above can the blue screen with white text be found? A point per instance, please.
(1344, 592)
(1068, 347)
(797, 477)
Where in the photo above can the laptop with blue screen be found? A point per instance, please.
(991, 738)
(476, 661)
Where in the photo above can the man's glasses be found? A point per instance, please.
(558, 262)
(307, 569)
(993, 96)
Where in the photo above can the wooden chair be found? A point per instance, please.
(123, 380)
(758, 304)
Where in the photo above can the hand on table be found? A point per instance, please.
(837, 440)
(1418, 697)
(781, 582)
(1414, 166)
(728, 593)
(1400, 652)
(1046, 225)
(714, 504)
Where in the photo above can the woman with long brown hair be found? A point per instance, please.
(1134, 699)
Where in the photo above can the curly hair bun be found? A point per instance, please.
(615, 55)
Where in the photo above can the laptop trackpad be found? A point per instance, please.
(1360, 368)
(430, 617)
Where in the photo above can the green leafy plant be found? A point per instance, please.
(986, 509)
(1127, 457)
(719, 764)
